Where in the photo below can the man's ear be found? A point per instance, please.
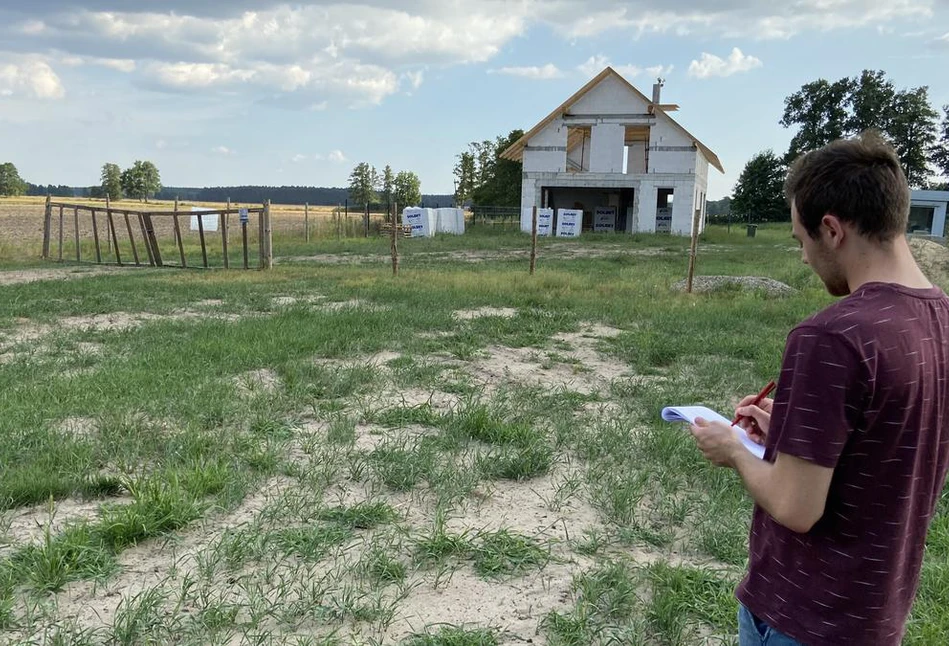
(833, 229)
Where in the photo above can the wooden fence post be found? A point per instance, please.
(60, 233)
(306, 221)
(75, 214)
(152, 239)
(115, 240)
(692, 249)
(204, 249)
(395, 245)
(148, 246)
(224, 234)
(181, 246)
(128, 227)
(244, 239)
(534, 241)
(47, 226)
(268, 237)
(95, 237)
(108, 213)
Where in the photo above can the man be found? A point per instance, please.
(856, 437)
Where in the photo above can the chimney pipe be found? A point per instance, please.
(657, 90)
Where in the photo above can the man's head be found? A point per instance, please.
(849, 188)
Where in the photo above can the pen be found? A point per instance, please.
(757, 400)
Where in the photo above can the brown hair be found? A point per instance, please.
(859, 180)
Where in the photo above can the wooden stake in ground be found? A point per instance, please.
(534, 241)
(692, 250)
(181, 246)
(395, 244)
(227, 263)
(306, 221)
(47, 227)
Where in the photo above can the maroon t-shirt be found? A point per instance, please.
(864, 389)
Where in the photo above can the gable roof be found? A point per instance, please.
(516, 151)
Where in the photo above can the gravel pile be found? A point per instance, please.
(705, 284)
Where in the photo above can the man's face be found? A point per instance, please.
(817, 253)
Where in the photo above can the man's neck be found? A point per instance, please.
(885, 263)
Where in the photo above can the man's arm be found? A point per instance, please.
(793, 491)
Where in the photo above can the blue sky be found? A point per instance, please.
(226, 92)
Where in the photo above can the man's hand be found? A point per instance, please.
(717, 442)
(755, 420)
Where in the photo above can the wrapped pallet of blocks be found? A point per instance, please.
(421, 221)
(450, 221)
(544, 219)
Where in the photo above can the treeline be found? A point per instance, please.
(316, 196)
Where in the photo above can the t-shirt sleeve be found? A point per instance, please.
(819, 396)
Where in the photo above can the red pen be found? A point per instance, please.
(757, 400)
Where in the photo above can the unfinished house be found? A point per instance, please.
(609, 147)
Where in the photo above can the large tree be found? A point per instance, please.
(407, 188)
(141, 181)
(362, 184)
(464, 172)
(819, 109)
(824, 111)
(111, 181)
(11, 183)
(388, 181)
(940, 152)
(913, 133)
(759, 193)
(497, 181)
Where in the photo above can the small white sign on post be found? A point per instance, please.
(604, 219)
(569, 222)
(244, 215)
(209, 222)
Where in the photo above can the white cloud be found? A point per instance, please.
(33, 27)
(942, 41)
(710, 65)
(659, 70)
(336, 156)
(222, 150)
(548, 71)
(30, 77)
(415, 78)
(311, 52)
(296, 159)
(594, 65)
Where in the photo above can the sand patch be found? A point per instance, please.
(78, 427)
(264, 381)
(289, 301)
(22, 276)
(482, 312)
(28, 525)
(933, 259)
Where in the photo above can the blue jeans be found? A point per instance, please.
(754, 632)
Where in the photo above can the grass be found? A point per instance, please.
(312, 510)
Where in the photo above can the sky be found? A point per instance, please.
(232, 92)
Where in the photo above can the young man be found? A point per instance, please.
(857, 436)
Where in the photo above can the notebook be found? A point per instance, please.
(689, 413)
